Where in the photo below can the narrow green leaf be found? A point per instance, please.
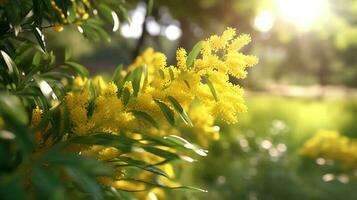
(187, 84)
(121, 83)
(172, 76)
(125, 96)
(85, 182)
(184, 116)
(168, 113)
(13, 70)
(161, 185)
(193, 54)
(136, 80)
(47, 183)
(124, 14)
(162, 153)
(71, 14)
(124, 144)
(146, 117)
(45, 88)
(40, 38)
(182, 142)
(211, 87)
(142, 165)
(89, 165)
(16, 119)
(67, 54)
(37, 58)
(78, 68)
(11, 107)
(117, 74)
(161, 73)
(11, 187)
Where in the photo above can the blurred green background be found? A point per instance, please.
(306, 81)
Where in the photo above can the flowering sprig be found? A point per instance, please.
(152, 100)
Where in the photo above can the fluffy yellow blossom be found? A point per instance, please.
(239, 42)
(36, 116)
(79, 82)
(181, 57)
(77, 107)
(108, 153)
(332, 146)
(110, 90)
(195, 93)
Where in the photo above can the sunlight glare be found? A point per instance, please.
(302, 13)
(264, 21)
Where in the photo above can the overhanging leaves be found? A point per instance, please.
(168, 113)
(184, 116)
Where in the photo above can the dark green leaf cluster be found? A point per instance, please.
(25, 20)
(42, 159)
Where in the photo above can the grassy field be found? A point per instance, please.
(258, 158)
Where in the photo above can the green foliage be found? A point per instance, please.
(33, 77)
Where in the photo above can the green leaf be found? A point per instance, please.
(71, 14)
(162, 185)
(87, 164)
(161, 73)
(182, 142)
(211, 87)
(124, 144)
(172, 76)
(13, 70)
(117, 74)
(11, 107)
(11, 187)
(47, 183)
(184, 116)
(78, 68)
(45, 88)
(40, 38)
(37, 58)
(87, 183)
(168, 113)
(67, 54)
(105, 12)
(109, 15)
(146, 117)
(125, 96)
(136, 80)
(94, 30)
(124, 14)
(16, 120)
(162, 153)
(121, 83)
(193, 54)
(142, 165)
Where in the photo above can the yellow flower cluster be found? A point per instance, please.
(219, 59)
(199, 84)
(80, 13)
(37, 115)
(332, 146)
